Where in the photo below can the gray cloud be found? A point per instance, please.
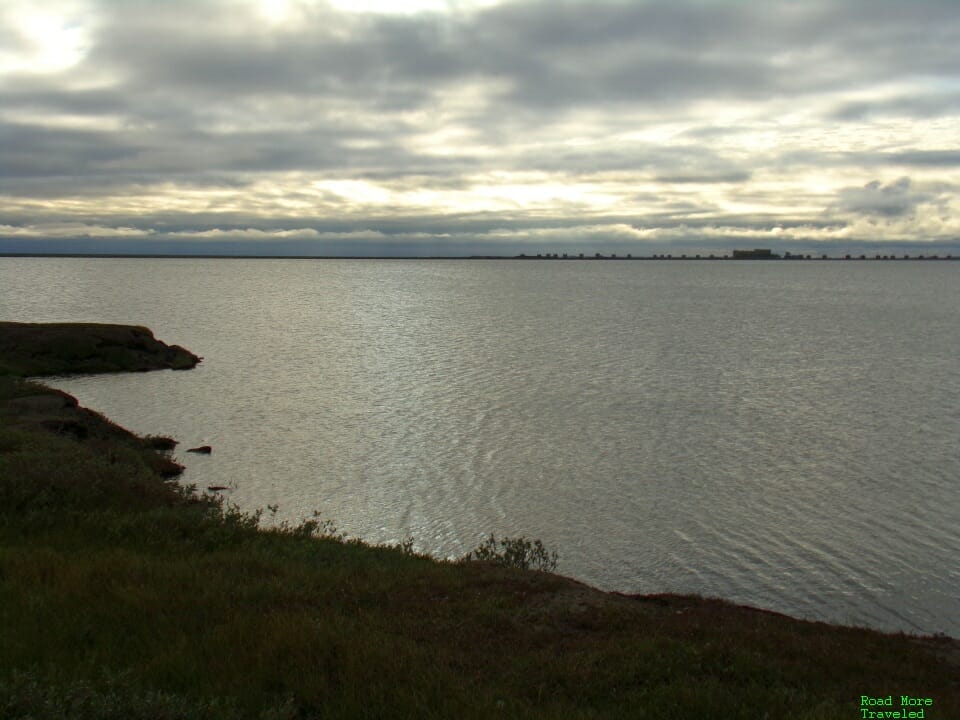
(895, 199)
(199, 99)
(732, 176)
(923, 105)
(558, 55)
(933, 158)
(29, 151)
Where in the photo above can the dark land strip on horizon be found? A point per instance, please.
(544, 256)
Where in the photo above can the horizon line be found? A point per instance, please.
(597, 256)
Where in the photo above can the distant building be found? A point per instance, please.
(755, 254)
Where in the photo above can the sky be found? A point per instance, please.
(460, 127)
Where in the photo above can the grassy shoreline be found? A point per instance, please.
(125, 595)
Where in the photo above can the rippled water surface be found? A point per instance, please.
(784, 435)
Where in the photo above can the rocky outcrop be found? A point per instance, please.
(68, 348)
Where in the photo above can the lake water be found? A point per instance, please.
(785, 435)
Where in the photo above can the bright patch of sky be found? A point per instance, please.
(48, 37)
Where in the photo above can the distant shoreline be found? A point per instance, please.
(658, 258)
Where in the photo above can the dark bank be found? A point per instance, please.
(125, 594)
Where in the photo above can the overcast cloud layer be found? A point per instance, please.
(293, 127)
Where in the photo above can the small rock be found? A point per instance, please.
(204, 449)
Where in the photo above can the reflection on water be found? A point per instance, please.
(784, 435)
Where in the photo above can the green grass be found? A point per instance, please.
(124, 595)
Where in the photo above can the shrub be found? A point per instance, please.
(514, 552)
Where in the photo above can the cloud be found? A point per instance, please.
(72, 230)
(932, 158)
(732, 176)
(895, 199)
(940, 102)
(526, 117)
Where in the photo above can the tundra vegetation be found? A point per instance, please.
(125, 594)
